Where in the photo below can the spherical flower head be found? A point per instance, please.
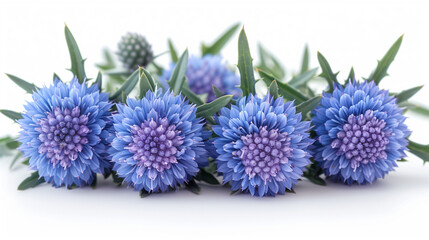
(360, 133)
(134, 51)
(64, 133)
(158, 143)
(203, 73)
(262, 145)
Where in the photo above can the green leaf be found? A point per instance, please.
(99, 81)
(116, 179)
(302, 78)
(32, 181)
(56, 77)
(15, 159)
(327, 73)
(284, 89)
(94, 182)
(313, 173)
(217, 46)
(146, 82)
(245, 65)
(407, 94)
(218, 93)
(11, 114)
(270, 63)
(305, 60)
(273, 89)
(13, 144)
(351, 75)
(420, 150)
(308, 105)
(193, 187)
(110, 63)
(173, 52)
(127, 87)
(209, 109)
(28, 87)
(77, 62)
(178, 76)
(207, 177)
(191, 96)
(382, 66)
(143, 193)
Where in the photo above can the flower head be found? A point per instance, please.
(262, 145)
(203, 73)
(158, 143)
(360, 133)
(64, 133)
(134, 51)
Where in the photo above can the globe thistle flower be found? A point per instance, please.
(205, 72)
(262, 145)
(64, 133)
(360, 133)
(158, 143)
(134, 51)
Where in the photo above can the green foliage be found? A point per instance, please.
(273, 89)
(207, 110)
(28, 87)
(313, 174)
(77, 62)
(127, 87)
(146, 82)
(15, 116)
(245, 65)
(381, 71)
(420, 150)
(327, 73)
(207, 177)
(269, 63)
(173, 52)
(308, 105)
(305, 60)
(303, 78)
(407, 94)
(99, 80)
(32, 181)
(193, 187)
(217, 46)
(178, 76)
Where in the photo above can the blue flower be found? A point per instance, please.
(360, 133)
(203, 73)
(64, 133)
(262, 145)
(158, 143)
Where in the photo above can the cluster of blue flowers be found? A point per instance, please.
(262, 146)
(169, 138)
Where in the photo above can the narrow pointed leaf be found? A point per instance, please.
(178, 76)
(173, 52)
(273, 89)
(420, 150)
(127, 87)
(209, 109)
(191, 96)
(327, 73)
(351, 76)
(32, 181)
(28, 87)
(11, 114)
(77, 62)
(15, 159)
(99, 80)
(407, 94)
(56, 77)
(110, 63)
(207, 177)
(193, 187)
(308, 105)
(146, 82)
(284, 89)
(305, 60)
(217, 46)
(218, 93)
(382, 66)
(270, 63)
(245, 65)
(302, 78)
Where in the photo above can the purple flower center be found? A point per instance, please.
(362, 140)
(62, 134)
(155, 144)
(263, 152)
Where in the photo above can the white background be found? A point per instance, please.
(32, 46)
